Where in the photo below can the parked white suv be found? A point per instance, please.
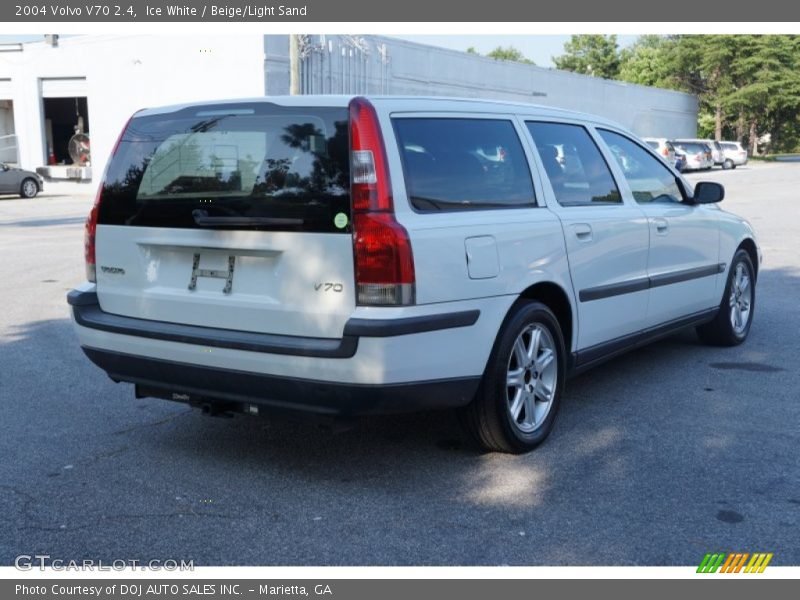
(735, 155)
(359, 255)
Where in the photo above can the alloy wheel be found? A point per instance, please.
(532, 377)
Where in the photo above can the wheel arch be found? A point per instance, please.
(554, 297)
(749, 246)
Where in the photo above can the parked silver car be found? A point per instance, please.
(717, 153)
(698, 155)
(664, 148)
(14, 180)
(735, 155)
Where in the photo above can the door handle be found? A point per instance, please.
(662, 225)
(582, 231)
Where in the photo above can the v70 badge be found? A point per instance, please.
(328, 287)
(213, 273)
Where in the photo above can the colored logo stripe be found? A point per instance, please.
(710, 563)
(758, 563)
(734, 562)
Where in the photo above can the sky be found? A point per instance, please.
(539, 48)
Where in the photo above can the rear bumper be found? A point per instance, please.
(87, 313)
(242, 390)
(378, 366)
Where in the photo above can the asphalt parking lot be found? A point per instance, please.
(657, 458)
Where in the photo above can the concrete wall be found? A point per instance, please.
(381, 65)
(124, 74)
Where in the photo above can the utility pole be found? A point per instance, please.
(294, 65)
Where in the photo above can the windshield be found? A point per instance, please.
(243, 166)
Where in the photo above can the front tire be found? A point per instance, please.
(520, 394)
(29, 188)
(732, 324)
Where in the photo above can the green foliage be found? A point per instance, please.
(596, 55)
(705, 124)
(650, 62)
(748, 86)
(508, 53)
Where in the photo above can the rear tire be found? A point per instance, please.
(728, 164)
(520, 394)
(29, 188)
(732, 324)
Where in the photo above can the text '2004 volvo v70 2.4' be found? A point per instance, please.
(352, 255)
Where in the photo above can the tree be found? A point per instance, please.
(748, 86)
(509, 53)
(766, 88)
(745, 84)
(596, 55)
(704, 66)
(647, 62)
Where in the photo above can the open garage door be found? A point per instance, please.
(66, 121)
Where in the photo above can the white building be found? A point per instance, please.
(46, 90)
(94, 83)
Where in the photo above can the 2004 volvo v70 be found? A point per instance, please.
(352, 255)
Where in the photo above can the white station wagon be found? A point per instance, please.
(355, 255)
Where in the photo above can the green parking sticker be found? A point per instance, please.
(340, 220)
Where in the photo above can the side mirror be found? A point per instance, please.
(5, 166)
(708, 192)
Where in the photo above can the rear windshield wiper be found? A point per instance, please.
(202, 218)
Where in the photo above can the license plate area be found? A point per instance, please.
(227, 274)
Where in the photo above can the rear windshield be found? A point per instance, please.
(238, 166)
(688, 147)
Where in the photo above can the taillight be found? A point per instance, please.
(89, 237)
(665, 152)
(384, 263)
(90, 229)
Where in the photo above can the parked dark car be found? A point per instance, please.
(14, 180)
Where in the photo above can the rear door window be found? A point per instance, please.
(577, 170)
(241, 166)
(463, 164)
(648, 178)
